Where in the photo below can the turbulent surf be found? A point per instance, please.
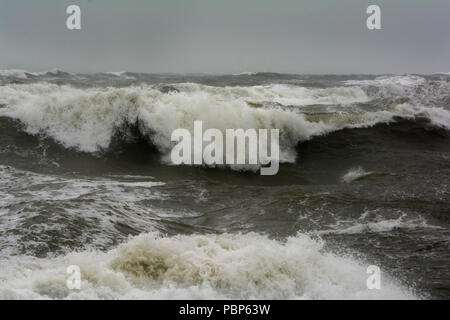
(86, 179)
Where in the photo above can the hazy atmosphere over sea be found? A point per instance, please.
(214, 36)
(86, 177)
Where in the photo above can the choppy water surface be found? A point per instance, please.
(85, 179)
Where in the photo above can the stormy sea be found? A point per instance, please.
(86, 180)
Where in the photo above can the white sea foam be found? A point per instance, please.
(117, 74)
(386, 225)
(55, 188)
(87, 119)
(401, 81)
(416, 89)
(151, 266)
(118, 204)
(355, 174)
(16, 73)
(283, 94)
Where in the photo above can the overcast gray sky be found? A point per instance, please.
(226, 36)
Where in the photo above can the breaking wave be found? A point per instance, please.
(412, 89)
(222, 266)
(88, 119)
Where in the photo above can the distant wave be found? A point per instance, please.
(118, 74)
(403, 81)
(24, 74)
(413, 89)
(245, 73)
(17, 73)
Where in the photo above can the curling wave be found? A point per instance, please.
(88, 119)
